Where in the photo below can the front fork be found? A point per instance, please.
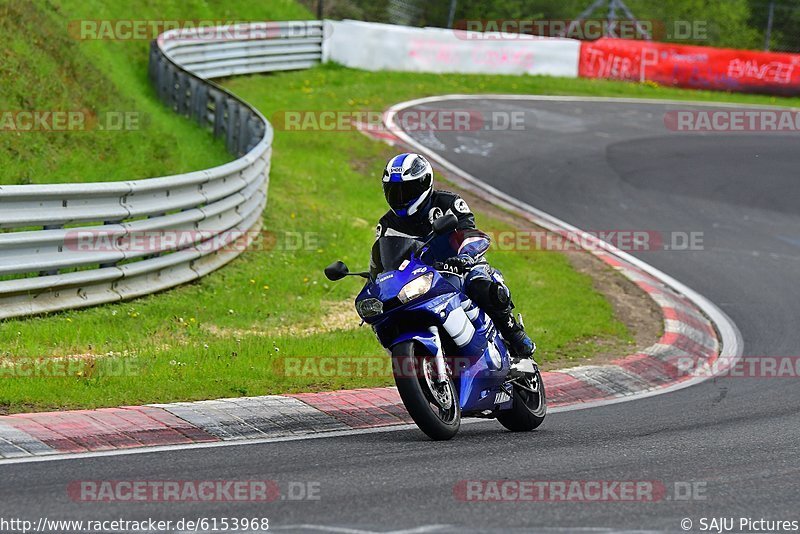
(439, 363)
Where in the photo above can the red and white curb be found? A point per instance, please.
(697, 335)
(689, 340)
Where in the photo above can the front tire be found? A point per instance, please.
(434, 408)
(530, 407)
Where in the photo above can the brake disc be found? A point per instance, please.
(441, 392)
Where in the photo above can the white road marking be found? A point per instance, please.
(476, 147)
(345, 530)
(453, 528)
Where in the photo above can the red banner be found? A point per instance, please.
(696, 67)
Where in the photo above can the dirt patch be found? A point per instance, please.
(632, 306)
(83, 356)
(336, 316)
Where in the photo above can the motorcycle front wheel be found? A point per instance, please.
(433, 407)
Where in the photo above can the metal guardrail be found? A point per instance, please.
(247, 48)
(69, 246)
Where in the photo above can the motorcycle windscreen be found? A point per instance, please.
(389, 252)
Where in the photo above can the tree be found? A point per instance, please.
(785, 23)
(728, 23)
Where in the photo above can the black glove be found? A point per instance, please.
(460, 264)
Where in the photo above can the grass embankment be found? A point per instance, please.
(45, 68)
(227, 334)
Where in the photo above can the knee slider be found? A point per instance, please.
(502, 295)
(490, 295)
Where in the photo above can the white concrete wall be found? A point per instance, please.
(372, 46)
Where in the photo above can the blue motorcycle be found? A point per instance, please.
(448, 359)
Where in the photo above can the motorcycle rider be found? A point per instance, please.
(414, 205)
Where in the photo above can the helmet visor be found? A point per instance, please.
(400, 195)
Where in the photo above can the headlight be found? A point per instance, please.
(416, 287)
(369, 308)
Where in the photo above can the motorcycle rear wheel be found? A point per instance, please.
(530, 407)
(434, 408)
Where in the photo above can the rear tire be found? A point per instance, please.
(529, 408)
(429, 409)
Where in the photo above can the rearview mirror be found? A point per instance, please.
(445, 224)
(336, 271)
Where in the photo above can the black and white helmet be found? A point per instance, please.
(407, 183)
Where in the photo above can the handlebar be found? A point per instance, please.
(440, 266)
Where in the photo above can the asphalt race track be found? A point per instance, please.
(600, 166)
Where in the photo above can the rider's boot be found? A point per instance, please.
(513, 331)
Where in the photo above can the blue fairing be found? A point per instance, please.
(479, 364)
(427, 340)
